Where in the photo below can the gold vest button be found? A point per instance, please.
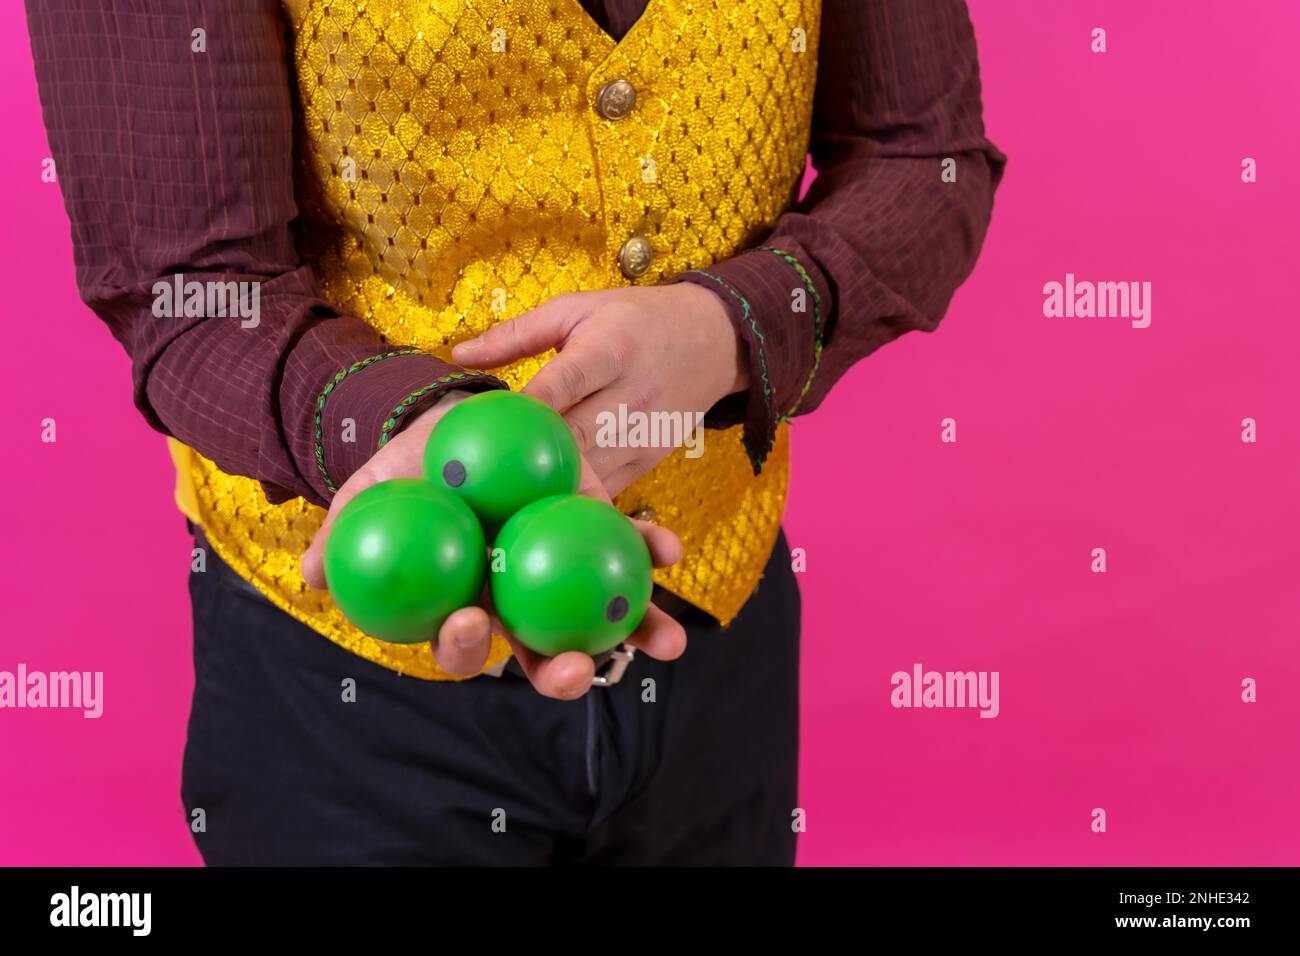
(635, 256)
(616, 99)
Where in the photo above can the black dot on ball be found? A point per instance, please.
(453, 473)
(617, 609)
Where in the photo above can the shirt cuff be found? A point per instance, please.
(778, 300)
(366, 404)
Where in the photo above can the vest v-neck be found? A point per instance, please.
(611, 42)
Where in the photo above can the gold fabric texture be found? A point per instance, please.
(455, 171)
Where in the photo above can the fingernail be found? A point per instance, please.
(465, 643)
(470, 344)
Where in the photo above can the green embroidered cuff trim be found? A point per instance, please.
(317, 435)
(756, 457)
(404, 406)
(818, 331)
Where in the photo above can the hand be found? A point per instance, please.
(462, 644)
(654, 349)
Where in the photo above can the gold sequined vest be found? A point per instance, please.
(457, 155)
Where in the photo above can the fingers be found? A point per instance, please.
(532, 333)
(583, 417)
(659, 635)
(464, 642)
(617, 468)
(622, 475)
(665, 547)
(617, 462)
(566, 676)
(583, 368)
(589, 483)
(569, 675)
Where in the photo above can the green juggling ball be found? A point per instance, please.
(576, 576)
(401, 556)
(499, 451)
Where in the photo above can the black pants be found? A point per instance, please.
(688, 762)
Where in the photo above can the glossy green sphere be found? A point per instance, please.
(576, 576)
(498, 451)
(401, 556)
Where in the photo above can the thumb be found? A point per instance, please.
(532, 333)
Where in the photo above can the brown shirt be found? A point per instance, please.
(174, 163)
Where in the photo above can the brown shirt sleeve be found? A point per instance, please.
(883, 238)
(174, 161)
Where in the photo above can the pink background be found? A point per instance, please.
(1119, 691)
